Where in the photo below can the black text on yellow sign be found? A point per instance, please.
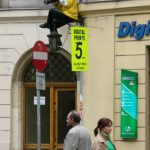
(79, 43)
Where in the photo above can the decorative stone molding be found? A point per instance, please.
(4, 3)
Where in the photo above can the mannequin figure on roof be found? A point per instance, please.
(65, 11)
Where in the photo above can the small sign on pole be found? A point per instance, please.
(79, 42)
(40, 56)
(40, 81)
(42, 100)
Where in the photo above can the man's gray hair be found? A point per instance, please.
(75, 116)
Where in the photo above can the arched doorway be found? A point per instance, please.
(60, 95)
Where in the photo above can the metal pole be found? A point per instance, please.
(38, 121)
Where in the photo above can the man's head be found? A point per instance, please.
(73, 118)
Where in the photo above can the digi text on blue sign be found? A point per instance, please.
(138, 31)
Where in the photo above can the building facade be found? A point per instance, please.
(96, 91)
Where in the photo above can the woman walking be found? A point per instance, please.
(102, 139)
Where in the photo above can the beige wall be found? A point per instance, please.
(101, 85)
(99, 79)
(131, 54)
(18, 33)
(107, 56)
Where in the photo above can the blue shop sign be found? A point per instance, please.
(133, 30)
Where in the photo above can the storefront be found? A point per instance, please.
(118, 38)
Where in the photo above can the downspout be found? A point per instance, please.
(80, 94)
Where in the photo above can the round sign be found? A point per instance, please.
(40, 56)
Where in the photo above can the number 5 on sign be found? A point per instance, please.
(79, 43)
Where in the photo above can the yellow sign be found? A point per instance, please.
(79, 42)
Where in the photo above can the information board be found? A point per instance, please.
(129, 90)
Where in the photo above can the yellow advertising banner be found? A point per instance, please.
(79, 43)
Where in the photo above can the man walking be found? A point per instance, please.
(78, 137)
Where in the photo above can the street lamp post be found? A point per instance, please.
(54, 41)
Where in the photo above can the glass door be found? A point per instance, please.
(59, 100)
(65, 101)
(30, 118)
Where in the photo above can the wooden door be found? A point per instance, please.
(59, 100)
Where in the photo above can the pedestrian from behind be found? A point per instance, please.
(78, 137)
(102, 135)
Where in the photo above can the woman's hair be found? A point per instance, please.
(102, 123)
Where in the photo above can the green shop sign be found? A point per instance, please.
(129, 88)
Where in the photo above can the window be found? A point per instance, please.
(60, 98)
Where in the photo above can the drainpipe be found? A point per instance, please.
(80, 94)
